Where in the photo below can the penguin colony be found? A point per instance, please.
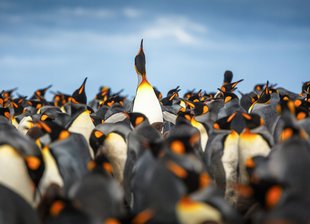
(192, 159)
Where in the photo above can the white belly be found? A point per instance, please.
(147, 103)
(25, 124)
(230, 160)
(250, 144)
(115, 148)
(51, 172)
(14, 174)
(84, 126)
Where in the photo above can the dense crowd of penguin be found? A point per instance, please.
(202, 158)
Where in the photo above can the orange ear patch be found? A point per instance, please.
(98, 134)
(143, 217)
(139, 120)
(177, 147)
(176, 169)
(63, 135)
(273, 196)
(56, 208)
(286, 134)
(107, 167)
(250, 163)
(33, 162)
(91, 165)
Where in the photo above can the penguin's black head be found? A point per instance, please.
(140, 61)
(184, 117)
(158, 94)
(265, 96)
(18, 105)
(182, 145)
(305, 87)
(174, 91)
(230, 87)
(79, 95)
(188, 94)
(137, 119)
(104, 93)
(200, 108)
(228, 76)
(50, 127)
(228, 96)
(40, 93)
(101, 165)
(193, 178)
(259, 87)
(96, 139)
(290, 130)
(5, 112)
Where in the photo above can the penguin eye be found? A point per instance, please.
(273, 196)
(56, 208)
(286, 134)
(177, 147)
(177, 170)
(33, 162)
(139, 120)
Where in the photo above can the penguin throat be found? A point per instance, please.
(141, 78)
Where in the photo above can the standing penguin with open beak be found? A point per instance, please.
(146, 101)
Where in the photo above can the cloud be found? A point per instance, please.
(132, 13)
(87, 12)
(179, 28)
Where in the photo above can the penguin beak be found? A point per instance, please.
(81, 89)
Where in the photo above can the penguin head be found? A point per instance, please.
(158, 94)
(96, 139)
(238, 121)
(194, 178)
(184, 117)
(40, 93)
(18, 105)
(290, 130)
(79, 95)
(200, 108)
(228, 76)
(104, 93)
(5, 112)
(230, 87)
(265, 96)
(100, 165)
(59, 99)
(188, 94)
(229, 96)
(259, 87)
(174, 91)
(50, 127)
(140, 62)
(305, 87)
(138, 119)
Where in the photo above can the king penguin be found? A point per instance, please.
(146, 101)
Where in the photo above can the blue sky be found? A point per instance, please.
(187, 43)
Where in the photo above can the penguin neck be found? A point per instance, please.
(141, 78)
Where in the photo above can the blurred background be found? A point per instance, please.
(187, 43)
